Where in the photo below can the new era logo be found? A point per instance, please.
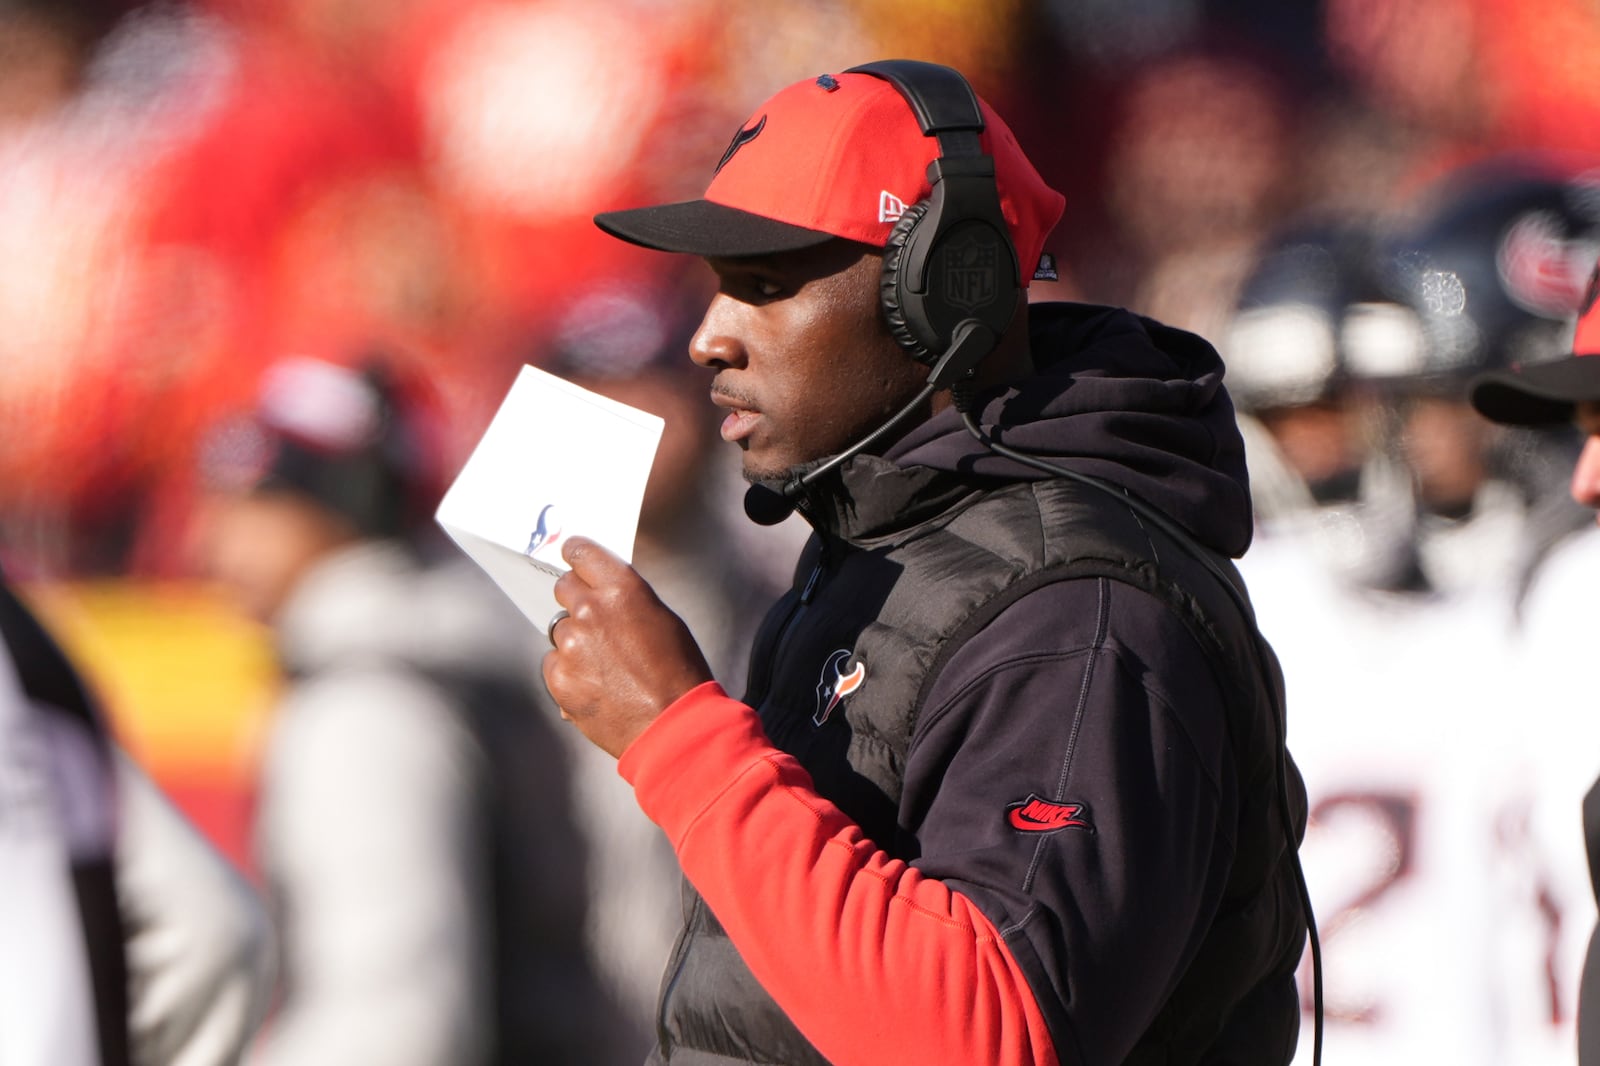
(890, 206)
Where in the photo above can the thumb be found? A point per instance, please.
(595, 564)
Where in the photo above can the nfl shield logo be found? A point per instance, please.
(971, 271)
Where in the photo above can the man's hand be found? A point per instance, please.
(620, 656)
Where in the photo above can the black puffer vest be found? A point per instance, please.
(903, 602)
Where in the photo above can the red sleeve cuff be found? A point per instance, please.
(700, 744)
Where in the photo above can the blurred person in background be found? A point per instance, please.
(1399, 648)
(1311, 296)
(625, 340)
(1556, 389)
(415, 826)
(1491, 272)
(128, 939)
(64, 970)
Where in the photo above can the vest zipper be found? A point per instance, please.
(680, 949)
(757, 693)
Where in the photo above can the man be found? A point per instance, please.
(64, 972)
(415, 825)
(1007, 785)
(1307, 314)
(1556, 392)
(1557, 638)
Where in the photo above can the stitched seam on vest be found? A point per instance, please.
(984, 612)
(1101, 625)
(1155, 555)
(1165, 703)
(1091, 661)
(1031, 658)
(1017, 926)
(1079, 569)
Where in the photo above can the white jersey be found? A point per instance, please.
(1553, 718)
(1440, 915)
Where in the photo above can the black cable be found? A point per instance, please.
(865, 442)
(962, 396)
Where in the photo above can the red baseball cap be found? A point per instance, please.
(1546, 393)
(841, 155)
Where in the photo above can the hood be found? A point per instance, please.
(379, 601)
(1115, 396)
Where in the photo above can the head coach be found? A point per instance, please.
(1008, 783)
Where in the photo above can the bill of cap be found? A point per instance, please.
(1539, 395)
(701, 227)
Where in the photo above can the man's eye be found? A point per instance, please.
(766, 287)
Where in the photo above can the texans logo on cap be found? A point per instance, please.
(740, 139)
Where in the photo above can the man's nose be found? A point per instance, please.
(1586, 475)
(716, 345)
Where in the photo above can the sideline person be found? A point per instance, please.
(128, 937)
(1008, 782)
(415, 824)
(1555, 392)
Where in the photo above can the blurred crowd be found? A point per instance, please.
(193, 189)
(1362, 203)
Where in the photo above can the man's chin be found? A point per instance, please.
(762, 474)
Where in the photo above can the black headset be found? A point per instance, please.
(949, 268)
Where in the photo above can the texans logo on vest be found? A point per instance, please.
(1034, 815)
(839, 679)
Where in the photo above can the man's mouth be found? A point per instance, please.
(741, 419)
(739, 425)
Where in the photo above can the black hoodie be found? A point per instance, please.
(1070, 769)
(1120, 397)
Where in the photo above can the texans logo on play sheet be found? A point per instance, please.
(547, 532)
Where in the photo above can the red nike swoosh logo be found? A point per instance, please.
(1034, 815)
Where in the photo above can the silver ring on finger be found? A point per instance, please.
(550, 630)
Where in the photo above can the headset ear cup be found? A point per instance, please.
(895, 304)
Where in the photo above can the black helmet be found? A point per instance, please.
(1311, 296)
(1493, 271)
(358, 437)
